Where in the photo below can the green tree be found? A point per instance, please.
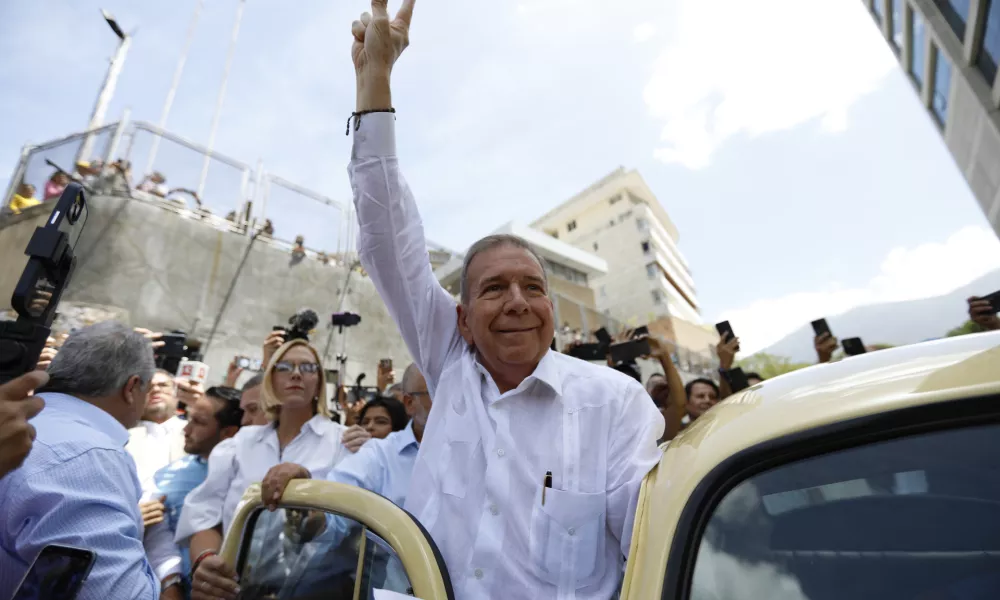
(769, 365)
(965, 328)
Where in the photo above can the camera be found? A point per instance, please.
(176, 349)
(300, 324)
(345, 319)
(50, 265)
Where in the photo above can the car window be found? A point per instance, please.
(915, 518)
(301, 554)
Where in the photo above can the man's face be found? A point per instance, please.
(162, 398)
(253, 414)
(201, 433)
(417, 400)
(134, 395)
(703, 397)
(508, 316)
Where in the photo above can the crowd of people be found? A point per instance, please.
(523, 464)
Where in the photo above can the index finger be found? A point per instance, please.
(405, 13)
(23, 386)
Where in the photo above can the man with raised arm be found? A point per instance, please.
(530, 465)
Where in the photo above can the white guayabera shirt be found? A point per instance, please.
(477, 483)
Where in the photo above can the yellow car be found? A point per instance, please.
(874, 477)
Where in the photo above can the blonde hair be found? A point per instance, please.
(269, 400)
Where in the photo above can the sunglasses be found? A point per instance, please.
(286, 367)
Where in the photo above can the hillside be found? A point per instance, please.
(892, 323)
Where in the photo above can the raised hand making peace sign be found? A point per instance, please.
(378, 42)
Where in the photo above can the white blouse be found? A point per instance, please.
(237, 463)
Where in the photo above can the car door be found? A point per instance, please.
(903, 505)
(332, 541)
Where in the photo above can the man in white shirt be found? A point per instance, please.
(158, 440)
(529, 468)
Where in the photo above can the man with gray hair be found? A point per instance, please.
(528, 473)
(78, 487)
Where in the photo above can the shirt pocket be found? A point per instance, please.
(456, 468)
(567, 536)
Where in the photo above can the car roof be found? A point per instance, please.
(813, 397)
(855, 386)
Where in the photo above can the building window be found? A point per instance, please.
(942, 85)
(645, 247)
(956, 13)
(897, 24)
(571, 226)
(615, 199)
(641, 224)
(657, 297)
(651, 270)
(877, 10)
(917, 58)
(987, 59)
(595, 246)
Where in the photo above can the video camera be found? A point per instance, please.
(345, 319)
(50, 265)
(301, 323)
(176, 349)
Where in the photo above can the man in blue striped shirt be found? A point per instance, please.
(78, 487)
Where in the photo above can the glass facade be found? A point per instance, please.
(987, 59)
(897, 24)
(942, 86)
(956, 12)
(917, 55)
(877, 9)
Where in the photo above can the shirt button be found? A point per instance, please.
(500, 452)
(494, 510)
(479, 573)
(571, 531)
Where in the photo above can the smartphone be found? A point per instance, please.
(820, 327)
(603, 336)
(588, 351)
(854, 346)
(726, 332)
(57, 573)
(994, 300)
(625, 352)
(737, 379)
(640, 332)
(243, 362)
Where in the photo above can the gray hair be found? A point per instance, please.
(493, 241)
(253, 382)
(409, 378)
(98, 361)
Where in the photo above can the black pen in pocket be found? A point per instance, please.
(547, 484)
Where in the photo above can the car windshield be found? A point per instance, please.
(913, 518)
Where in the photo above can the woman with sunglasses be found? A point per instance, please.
(294, 397)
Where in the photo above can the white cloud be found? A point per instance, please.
(643, 32)
(906, 274)
(745, 68)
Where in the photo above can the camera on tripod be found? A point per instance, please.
(50, 265)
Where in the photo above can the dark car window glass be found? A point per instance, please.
(298, 554)
(916, 518)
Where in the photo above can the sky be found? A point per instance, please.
(780, 135)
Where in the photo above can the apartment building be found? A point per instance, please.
(950, 50)
(620, 220)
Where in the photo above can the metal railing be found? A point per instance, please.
(235, 195)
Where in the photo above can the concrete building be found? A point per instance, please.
(570, 270)
(950, 50)
(620, 220)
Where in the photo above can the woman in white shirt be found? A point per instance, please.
(301, 431)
